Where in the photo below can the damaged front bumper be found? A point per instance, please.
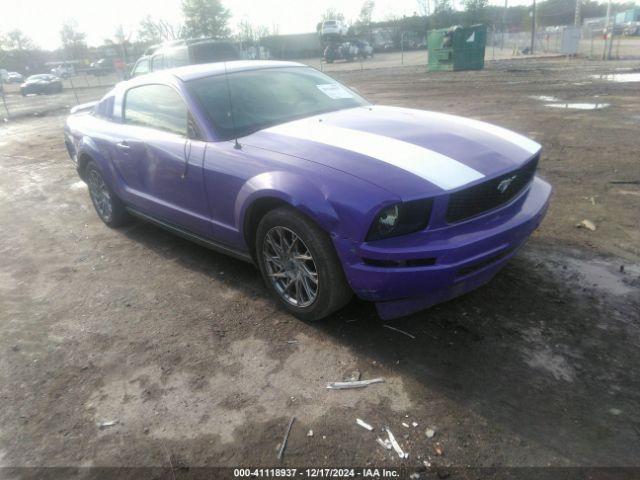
(405, 274)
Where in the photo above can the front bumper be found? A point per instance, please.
(451, 260)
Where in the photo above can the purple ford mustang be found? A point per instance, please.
(278, 164)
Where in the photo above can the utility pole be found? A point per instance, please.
(4, 100)
(504, 24)
(577, 21)
(533, 26)
(607, 30)
(611, 35)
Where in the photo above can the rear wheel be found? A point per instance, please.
(108, 206)
(299, 265)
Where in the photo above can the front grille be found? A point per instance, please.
(486, 196)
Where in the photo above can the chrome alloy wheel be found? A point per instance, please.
(100, 195)
(290, 267)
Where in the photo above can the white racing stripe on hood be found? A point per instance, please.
(438, 169)
(521, 141)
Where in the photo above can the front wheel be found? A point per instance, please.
(299, 265)
(108, 206)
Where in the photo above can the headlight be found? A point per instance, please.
(400, 219)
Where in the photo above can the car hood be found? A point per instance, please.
(411, 153)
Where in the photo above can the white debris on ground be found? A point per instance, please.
(107, 423)
(588, 224)
(384, 443)
(395, 444)
(353, 384)
(353, 376)
(283, 445)
(364, 424)
(399, 331)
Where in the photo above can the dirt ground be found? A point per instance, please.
(184, 351)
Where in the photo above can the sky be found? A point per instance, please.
(41, 19)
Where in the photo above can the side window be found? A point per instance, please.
(176, 57)
(157, 62)
(156, 106)
(141, 67)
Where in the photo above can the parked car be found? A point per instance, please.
(14, 77)
(347, 51)
(102, 67)
(41, 84)
(631, 29)
(278, 164)
(63, 71)
(365, 50)
(334, 27)
(184, 52)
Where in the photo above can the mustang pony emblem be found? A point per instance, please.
(504, 184)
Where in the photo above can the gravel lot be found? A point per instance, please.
(184, 351)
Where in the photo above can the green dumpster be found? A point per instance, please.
(457, 48)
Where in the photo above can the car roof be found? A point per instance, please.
(192, 72)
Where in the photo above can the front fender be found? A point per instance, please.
(293, 189)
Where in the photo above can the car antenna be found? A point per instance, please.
(236, 145)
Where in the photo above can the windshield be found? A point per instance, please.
(39, 77)
(266, 97)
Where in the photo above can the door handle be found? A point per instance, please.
(123, 145)
(187, 154)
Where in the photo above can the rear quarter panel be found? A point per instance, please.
(92, 138)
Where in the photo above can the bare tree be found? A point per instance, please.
(366, 11)
(122, 40)
(363, 24)
(475, 11)
(73, 40)
(424, 7)
(17, 40)
(152, 30)
(332, 14)
(251, 34)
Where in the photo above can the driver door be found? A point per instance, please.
(161, 158)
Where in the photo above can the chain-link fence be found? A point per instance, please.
(590, 42)
(76, 89)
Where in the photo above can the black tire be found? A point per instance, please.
(332, 290)
(108, 206)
